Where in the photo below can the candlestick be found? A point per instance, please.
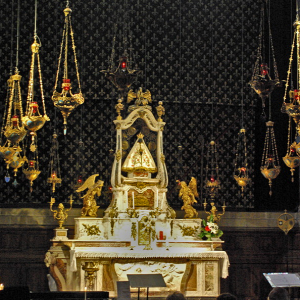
(85, 288)
(133, 200)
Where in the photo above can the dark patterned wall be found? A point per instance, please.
(192, 58)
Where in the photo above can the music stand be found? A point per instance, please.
(283, 279)
(123, 290)
(146, 281)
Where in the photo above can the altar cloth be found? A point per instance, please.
(118, 253)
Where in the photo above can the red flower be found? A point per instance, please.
(207, 228)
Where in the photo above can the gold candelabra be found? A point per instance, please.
(213, 211)
(61, 214)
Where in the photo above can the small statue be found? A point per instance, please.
(90, 207)
(142, 98)
(160, 111)
(118, 108)
(61, 214)
(188, 193)
(146, 232)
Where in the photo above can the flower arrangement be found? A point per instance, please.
(210, 229)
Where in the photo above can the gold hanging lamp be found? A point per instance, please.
(34, 119)
(261, 81)
(291, 159)
(12, 127)
(32, 171)
(65, 100)
(212, 182)
(124, 73)
(270, 167)
(241, 170)
(292, 106)
(54, 168)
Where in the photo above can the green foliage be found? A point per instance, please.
(210, 229)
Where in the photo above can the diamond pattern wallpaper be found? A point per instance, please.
(196, 56)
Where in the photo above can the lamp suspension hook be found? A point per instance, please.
(18, 37)
(35, 19)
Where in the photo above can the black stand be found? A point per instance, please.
(146, 281)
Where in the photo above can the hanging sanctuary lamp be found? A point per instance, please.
(270, 167)
(65, 100)
(12, 127)
(122, 74)
(212, 182)
(241, 170)
(35, 116)
(54, 167)
(264, 80)
(292, 105)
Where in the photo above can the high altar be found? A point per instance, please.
(139, 232)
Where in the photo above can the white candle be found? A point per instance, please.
(1, 286)
(133, 200)
(85, 288)
(157, 198)
(126, 193)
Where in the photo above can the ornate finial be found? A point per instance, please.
(160, 111)
(140, 135)
(118, 108)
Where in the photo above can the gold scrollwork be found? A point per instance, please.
(133, 230)
(188, 230)
(92, 230)
(118, 155)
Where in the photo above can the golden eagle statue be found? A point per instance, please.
(188, 193)
(90, 207)
(142, 98)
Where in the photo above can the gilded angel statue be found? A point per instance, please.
(142, 98)
(188, 193)
(90, 207)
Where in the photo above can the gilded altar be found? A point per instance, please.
(139, 232)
